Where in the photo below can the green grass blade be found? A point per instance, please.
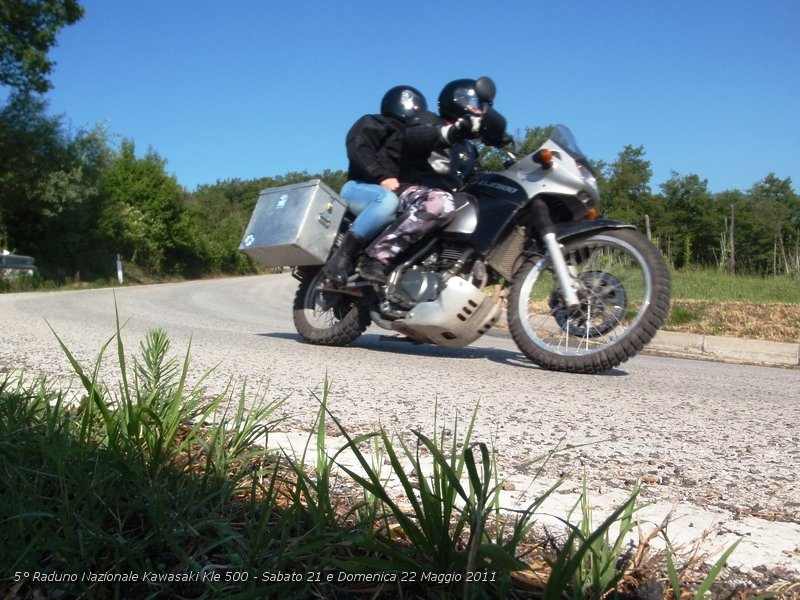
(95, 398)
(715, 571)
(672, 574)
(569, 563)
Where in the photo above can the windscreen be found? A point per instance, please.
(562, 136)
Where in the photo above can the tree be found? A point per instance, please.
(693, 218)
(31, 146)
(625, 186)
(775, 222)
(27, 32)
(227, 204)
(72, 245)
(144, 213)
(730, 204)
(49, 188)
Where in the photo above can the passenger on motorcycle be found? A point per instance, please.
(438, 159)
(374, 151)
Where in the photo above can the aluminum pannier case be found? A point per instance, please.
(294, 225)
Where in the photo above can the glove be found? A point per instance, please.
(469, 127)
(465, 128)
(493, 129)
(450, 135)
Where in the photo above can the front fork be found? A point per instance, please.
(565, 278)
(544, 225)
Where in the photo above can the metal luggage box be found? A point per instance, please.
(294, 225)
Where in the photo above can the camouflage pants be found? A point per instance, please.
(422, 210)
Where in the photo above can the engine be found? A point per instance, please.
(416, 285)
(424, 281)
(437, 297)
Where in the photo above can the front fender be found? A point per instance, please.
(567, 231)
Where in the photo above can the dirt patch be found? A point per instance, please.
(770, 322)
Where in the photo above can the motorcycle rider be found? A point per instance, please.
(374, 145)
(438, 158)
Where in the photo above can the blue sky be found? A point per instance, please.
(251, 88)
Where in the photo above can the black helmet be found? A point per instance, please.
(403, 102)
(459, 98)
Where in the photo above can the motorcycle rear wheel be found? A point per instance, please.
(606, 329)
(326, 318)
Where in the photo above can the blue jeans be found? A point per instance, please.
(375, 207)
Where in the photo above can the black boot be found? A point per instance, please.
(340, 265)
(373, 270)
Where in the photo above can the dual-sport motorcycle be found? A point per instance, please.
(582, 294)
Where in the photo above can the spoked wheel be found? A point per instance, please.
(603, 304)
(623, 289)
(327, 316)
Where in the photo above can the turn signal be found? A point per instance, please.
(591, 214)
(543, 157)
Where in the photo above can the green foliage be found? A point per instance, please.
(27, 32)
(704, 588)
(693, 218)
(31, 147)
(591, 563)
(687, 250)
(625, 185)
(129, 483)
(144, 213)
(773, 222)
(49, 189)
(533, 138)
(680, 315)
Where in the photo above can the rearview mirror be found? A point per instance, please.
(485, 88)
(493, 128)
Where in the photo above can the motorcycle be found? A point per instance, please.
(582, 294)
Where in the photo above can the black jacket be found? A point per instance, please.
(374, 145)
(428, 160)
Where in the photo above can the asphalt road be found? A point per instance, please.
(718, 442)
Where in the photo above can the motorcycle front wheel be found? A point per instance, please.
(623, 287)
(325, 316)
